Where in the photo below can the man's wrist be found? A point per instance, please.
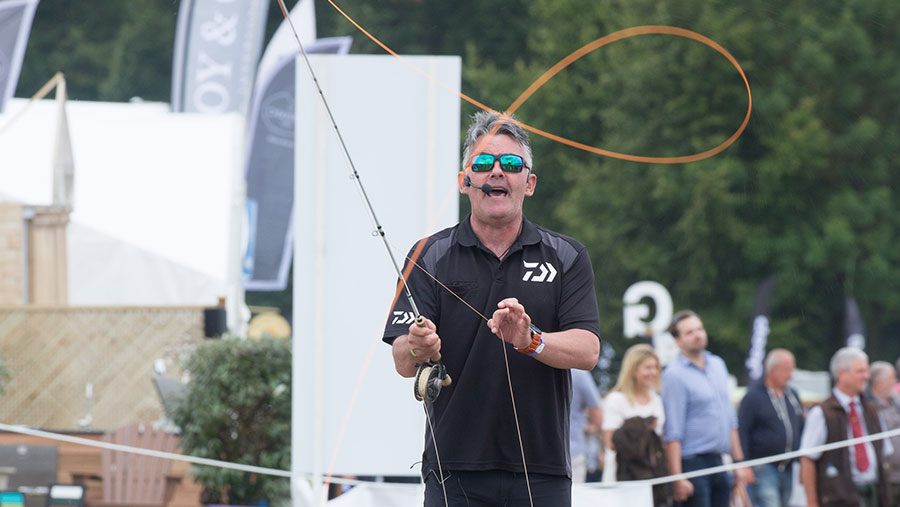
(537, 343)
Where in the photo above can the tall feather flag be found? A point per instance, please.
(269, 169)
(759, 328)
(15, 26)
(217, 45)
(854, 327)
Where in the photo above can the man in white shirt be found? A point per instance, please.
(851, 475)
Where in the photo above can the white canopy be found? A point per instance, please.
(157, 198)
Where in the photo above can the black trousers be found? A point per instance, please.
(497, 488)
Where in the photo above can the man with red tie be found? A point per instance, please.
(847, 476)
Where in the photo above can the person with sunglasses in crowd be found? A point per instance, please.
(535, 288)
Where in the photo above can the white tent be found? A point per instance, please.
(157, 198)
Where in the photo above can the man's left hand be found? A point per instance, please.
(511, 323)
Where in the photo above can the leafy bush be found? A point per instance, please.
(237, 408)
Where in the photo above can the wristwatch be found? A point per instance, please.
(537, 343)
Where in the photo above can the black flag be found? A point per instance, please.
(759, 328)
(854, 328)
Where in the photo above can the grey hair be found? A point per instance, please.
(843, 357)
(776, 357)
(879, 369)
(483, 122)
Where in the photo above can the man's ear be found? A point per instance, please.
(459, 181)
(530, 184)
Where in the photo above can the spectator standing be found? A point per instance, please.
(770, 422)
(634, 395)
(586, 418)
(882, 380)
(701, 423)
(635, 407)
(854, 475)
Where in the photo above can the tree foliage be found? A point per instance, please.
(238, 409)
(109, 51)
(806, 193)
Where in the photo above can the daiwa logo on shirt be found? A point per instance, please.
(403, 318)
(545, 272)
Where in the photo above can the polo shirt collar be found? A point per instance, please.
(528, 236)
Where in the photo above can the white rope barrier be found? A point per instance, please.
(352, 482)
(754, 462)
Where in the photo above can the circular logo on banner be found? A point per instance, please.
(278, 114)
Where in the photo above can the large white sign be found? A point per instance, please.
(635, 313)
(352, 413)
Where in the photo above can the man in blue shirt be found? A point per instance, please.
(701, 424)
(586, 417)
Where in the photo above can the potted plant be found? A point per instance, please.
(237, 408)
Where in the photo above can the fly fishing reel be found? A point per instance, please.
(431, 377)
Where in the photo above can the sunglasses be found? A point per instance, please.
(484, 162)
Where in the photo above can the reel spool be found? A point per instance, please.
(430, 378)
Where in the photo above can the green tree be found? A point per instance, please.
(110, 51)
(238, 409)
(806, 193)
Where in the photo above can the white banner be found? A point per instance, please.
(217, 45)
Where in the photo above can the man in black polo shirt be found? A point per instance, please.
(536, 287)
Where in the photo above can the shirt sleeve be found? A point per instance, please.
(578, 301)
(813, 432)
(732, 412)
(675, 399)
(580, 392)
(593, 393)
(887, 447)
(614, 411)
(746, 413)
(660, 414)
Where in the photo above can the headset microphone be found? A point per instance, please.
(484, 188)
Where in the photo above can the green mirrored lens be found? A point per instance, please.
(511, 163)
(483, 162)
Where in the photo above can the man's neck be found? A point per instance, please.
(847, 392)
(697, 358)
(775, 389)
(497, 238)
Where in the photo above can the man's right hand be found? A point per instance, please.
(424, 342)
(682, 489)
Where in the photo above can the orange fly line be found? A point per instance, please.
(574, 56)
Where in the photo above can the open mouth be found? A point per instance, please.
(498, 192)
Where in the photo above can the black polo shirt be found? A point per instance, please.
(551, 275)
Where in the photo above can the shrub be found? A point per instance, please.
(237, 408)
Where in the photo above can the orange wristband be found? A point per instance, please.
(536, 341)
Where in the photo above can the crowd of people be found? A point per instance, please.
(686, 411)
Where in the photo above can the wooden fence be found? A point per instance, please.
(55, 353)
